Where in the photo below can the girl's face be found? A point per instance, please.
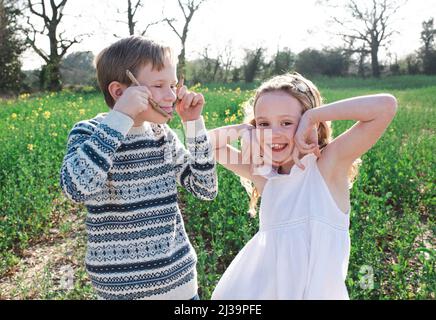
(279, 113)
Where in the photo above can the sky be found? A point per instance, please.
(236, 24)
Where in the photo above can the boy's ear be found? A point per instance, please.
(116, 89)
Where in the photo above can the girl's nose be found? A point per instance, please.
(276, 132)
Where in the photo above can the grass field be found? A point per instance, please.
(42, 235)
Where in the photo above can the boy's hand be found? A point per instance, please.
(133, 101)
(189, 104)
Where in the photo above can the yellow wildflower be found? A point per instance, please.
(47, 114)
(81, 111)
(14, 116)
(30, 147)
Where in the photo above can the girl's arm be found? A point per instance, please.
(222, 136)
(230, 157)
(373, 113)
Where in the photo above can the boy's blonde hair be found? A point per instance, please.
(129, 53)
(309, 96)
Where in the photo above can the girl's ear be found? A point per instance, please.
(116, 89)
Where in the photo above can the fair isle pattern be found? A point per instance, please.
(137, 244)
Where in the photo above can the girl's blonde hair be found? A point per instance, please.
(309, 96)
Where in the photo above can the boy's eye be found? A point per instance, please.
(157, 86)
(288, 123)
(262, 124)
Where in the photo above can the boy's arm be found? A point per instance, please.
(90, 150)
(195, 166)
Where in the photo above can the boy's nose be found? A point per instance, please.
(170, 95)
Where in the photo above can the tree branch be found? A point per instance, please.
(170, 21)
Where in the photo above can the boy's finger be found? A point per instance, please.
(181, 82)
(181, 92)
(146, 90)
(142, 89)
(188, 100)
(198, 99)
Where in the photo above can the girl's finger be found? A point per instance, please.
(302, 145)
(295, 154)
(307, 146)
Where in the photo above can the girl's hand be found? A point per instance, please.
(189, 104)
(250, 147)
(305, 140)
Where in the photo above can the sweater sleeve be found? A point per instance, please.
(195, 165)
(90, 149)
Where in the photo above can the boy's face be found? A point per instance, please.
(162, 85)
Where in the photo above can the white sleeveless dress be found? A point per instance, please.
(302, 248)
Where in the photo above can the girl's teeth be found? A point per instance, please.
(278, 146)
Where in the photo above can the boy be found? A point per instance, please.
(125, 166)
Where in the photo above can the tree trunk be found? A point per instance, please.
(374, 62)
(54, 80)
(181, 64)
(130, 22)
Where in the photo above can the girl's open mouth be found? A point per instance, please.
(277, 147)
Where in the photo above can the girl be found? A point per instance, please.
(301, 250)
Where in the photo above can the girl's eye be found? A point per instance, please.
(262, 124)
(287, 123)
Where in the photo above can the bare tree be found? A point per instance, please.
(51, 15)
(132, 10)
(188, 8)
(227, 60)
(427, 34)
(253, 63)
(212, 65)
(11, 47)
(428, 52)
(369, 27)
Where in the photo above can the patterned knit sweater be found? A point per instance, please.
(127, 178)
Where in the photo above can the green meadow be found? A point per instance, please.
(393, 199)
